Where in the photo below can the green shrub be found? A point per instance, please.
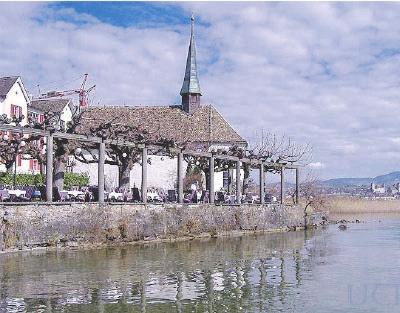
(70, 179)
(75, 179)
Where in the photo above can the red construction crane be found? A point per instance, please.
(82, 92)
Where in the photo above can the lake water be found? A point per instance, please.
(323, 270)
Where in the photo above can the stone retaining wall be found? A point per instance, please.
(45, 225)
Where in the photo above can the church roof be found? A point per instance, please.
(205, 125)
(191, 82)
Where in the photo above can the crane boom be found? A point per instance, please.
(82, 92)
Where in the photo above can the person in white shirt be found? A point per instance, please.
(193, 188)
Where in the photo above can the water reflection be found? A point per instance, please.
(243, 274)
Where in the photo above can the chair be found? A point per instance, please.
(95, 193)
(36, 195)
(220, 197)
(205, 197)
(4, 195)
(42, 190)
(172, 196)
(135, 195)
(64, 196)
(56, 194)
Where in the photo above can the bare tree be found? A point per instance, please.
(310, 194)
(278, 149)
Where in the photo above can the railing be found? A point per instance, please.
(180, 159)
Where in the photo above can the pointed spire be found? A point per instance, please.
(190, 90)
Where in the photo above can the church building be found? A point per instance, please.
(198, 125)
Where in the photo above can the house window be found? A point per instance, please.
(33, 165)
(34, 116)
(16, 111)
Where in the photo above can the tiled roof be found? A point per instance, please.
(47, 105)
(6, 83)
(205, 125)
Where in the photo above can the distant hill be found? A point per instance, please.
(390, 178)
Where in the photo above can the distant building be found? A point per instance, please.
(378, 189)
(62, 108)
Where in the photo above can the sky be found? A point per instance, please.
(324, 74)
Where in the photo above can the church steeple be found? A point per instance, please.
(190, 90)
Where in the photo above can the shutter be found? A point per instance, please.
(30, 164)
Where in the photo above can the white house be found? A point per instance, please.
(14, 101)
(64, 109)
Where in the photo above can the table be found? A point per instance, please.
(75, 193)
(153, 196)
(116, 195)
(17, 192)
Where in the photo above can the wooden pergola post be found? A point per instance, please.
(238, 185)
(144, 175)
(262, 187)
(49, 168)
(180, 177)
(100, 177)
(282, 184)
(211, 182)
(297, 185)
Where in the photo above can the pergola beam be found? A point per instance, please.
(145, 150)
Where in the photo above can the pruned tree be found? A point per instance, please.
(278, 149)
(62, 148)
(11, 145)
(123, 156)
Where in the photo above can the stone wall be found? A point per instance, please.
(77, 224)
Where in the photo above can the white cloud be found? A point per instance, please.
(322, 73)
(316, 165)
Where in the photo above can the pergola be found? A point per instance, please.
(101, 143)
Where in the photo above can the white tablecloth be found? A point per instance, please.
(75, 193)
(153, 196)
(17, 192)
(115, 195)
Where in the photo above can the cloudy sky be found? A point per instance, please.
(327, 74)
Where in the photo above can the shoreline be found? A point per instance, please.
(117, 244)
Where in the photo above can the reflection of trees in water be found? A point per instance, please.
(244, 274)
